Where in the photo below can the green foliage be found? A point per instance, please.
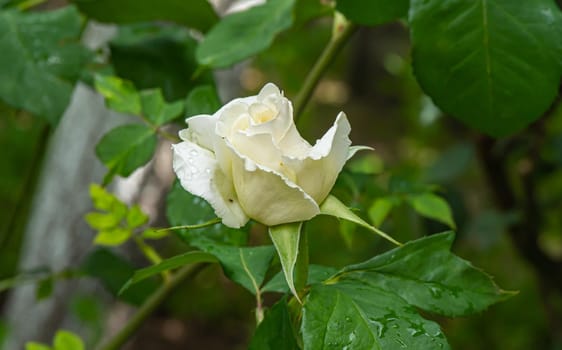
(275, 332)
(202, 100)
(44, 289)
(372, 12)
(115, 222)
(433, 207)
(120, 95)
(156, 110)
(286, 239)
(197, 14)
(243, 34)
(316, 274)
(64, 340)
(477, 79)
(168, 264)
(41, 58)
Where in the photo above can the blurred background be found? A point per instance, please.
(498, 190)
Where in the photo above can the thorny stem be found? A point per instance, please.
(340, 34)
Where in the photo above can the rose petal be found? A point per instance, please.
(199, 174)
(317, 174)
(267, 196)
(201, 130)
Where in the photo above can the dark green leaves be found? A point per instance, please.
(427, 275)
(495, 65)
(202, 100)
(40, 60)
(126, 148)
(243, 34)
(197, 14)
(156, 110)
(276, 331)
(372, 12)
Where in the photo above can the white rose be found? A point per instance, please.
(249, 161)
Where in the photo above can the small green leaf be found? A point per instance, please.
(316, 274)
(126, 148)
(373, 12)
(136, 217)
(44, 289)
(113, 237)
(157, 110)
(244, 34)
(197, 14)
(103, 221)
(246, 266)
(202, 100)
(286, 238)
(433, 207)
(120, 95)
(333, 207)
(36, 346)
(65, 340)
(275, 332)
(104, 200)
(427, 275)
(168, 264)
(380, 209)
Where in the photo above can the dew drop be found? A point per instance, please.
(193, 152)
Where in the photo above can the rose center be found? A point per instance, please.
(260, 113)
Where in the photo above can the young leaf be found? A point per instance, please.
(275, 332)
(478, 79)
(120, 95)
(197, 14)
(136, 217)
(244, 34)
(157, 110)
(285, 238)
(103, 221)
(246, 266)
(427, 275)
(126, 148)
(333, 207)
(40, 60)
(433, 207)
(202, 100)
(353, 315)
(112, 237)
(104, 200)
(31, 345)
(65, 340)
(372, 12)
(168, 264)
(380, 209)
(316, 274)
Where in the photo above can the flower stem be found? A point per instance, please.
(191, 227)
(152, 255)
(342, 31)
(150, 305)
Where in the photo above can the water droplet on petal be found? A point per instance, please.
(193, 152)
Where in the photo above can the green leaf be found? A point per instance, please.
(427, 275)
(202, 100)
(65, 340)
(478, 79)
(286, 238)
(433, 207)
(168, 264)
(120, 95)
(333, 207)
(114, 271)
(197, 14)
(126, 148)
(275, 332)
(183, 208)
(316, 274)
(380, 209)
(244, 34)
(112, 237)
(31, 345)
(136, 217)
(306, 10)
(104, 200)
(103, 221)
(44, 289)
(246, 266)
(156, 110)
(41, 58)
(373, 12)
(359, 316)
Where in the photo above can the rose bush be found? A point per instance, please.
(249, 161)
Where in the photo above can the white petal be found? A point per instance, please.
(355, 149)
(201, 130)
(317, 174)
(199, 174)
(269, 197)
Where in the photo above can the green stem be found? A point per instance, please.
(150, 305)
(341, 32)
(191, 227)
(152, 255)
